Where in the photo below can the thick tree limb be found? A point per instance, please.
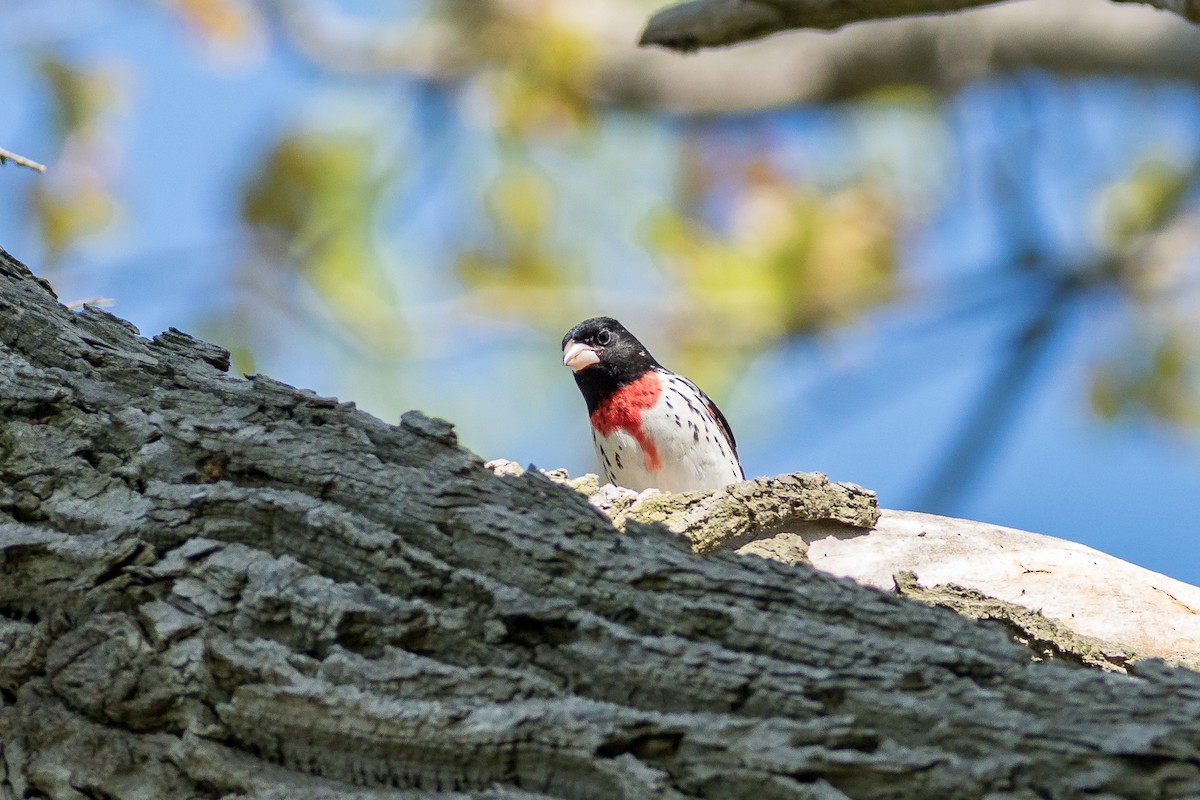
(696, 24)
(221, 587)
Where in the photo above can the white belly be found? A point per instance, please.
(692, 453)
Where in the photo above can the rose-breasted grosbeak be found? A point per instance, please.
(651, 427)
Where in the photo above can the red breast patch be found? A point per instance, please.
(623, 411)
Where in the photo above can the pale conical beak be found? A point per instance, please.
(577, 355)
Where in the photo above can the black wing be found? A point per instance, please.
(717, 415)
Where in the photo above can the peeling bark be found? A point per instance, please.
(223, 587)
(1048, 638)
(1062, 594)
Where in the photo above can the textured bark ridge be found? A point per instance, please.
(217, 587)
(730, 518)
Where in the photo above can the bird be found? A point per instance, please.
(653, 429)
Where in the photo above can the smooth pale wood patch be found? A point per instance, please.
(1092, 593)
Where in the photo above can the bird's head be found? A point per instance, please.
(600, 344)
(604, 356)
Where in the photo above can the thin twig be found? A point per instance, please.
(20, 161)
(98, 302)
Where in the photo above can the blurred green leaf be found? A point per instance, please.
(312, 202)
(76, 199)
(1142, 202)
(519, 262)
(79, 95)
(792, 261)
(68, 210)
(543, 69)
(521, 203)
(1158, 374)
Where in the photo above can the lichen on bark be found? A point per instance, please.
(728, 518)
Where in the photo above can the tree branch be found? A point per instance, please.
(21, 161)
(696, 24)
(1067, 37)
(1074, 37)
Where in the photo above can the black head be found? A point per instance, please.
(604, 357)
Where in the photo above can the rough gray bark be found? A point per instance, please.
(694, 24)
(217, 587)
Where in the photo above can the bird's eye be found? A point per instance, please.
(604, 337)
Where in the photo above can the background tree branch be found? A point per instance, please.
(1075, 37)
(1067, 37)
(695, 24)
(20, 161)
